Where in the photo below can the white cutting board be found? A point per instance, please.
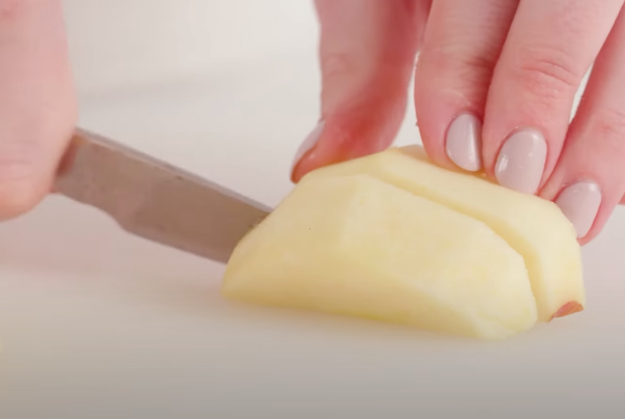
(98, 324)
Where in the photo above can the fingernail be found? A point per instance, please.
(580, 203)
(521, 161)
(463, 143)
(308, 143)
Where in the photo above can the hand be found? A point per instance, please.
(37, 103)
(494, 89)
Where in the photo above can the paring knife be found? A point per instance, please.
(154, 200)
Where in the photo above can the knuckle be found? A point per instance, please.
(482, 63)
(547, 72)
(455, 76)
(455, 64)
(455, 58)
(474, 70)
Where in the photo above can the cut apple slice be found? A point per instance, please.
(355, 245)
(534, 227)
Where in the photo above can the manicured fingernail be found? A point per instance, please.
(580, 203)
(308, 143)
(521, 161)
(463, 143)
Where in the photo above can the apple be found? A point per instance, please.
(393, 237)
(534, 227)
(355, 245)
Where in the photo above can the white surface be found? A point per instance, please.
(98, 324)
(120, 43)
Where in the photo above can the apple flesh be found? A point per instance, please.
(355, 245)
(394, 237)
(534, 227)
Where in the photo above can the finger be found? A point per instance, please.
(367, 51)
(462, 42)
(550, 46)
(37, 106)
(589, 180)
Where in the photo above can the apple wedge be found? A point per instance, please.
(534, 227)
(355, 245)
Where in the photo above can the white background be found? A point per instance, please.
(97, 324)
(116, 43)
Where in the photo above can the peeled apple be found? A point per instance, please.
(393, 237)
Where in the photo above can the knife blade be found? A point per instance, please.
(155, 200)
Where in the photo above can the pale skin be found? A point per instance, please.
(494, 88)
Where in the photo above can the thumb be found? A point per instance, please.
(37, 104)
(367, 52)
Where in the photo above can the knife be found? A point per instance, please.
(154, 200)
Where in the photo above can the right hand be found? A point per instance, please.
(38, 109)
(494, 89)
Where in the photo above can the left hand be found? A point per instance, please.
(494, 90)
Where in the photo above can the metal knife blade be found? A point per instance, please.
(157, 201)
